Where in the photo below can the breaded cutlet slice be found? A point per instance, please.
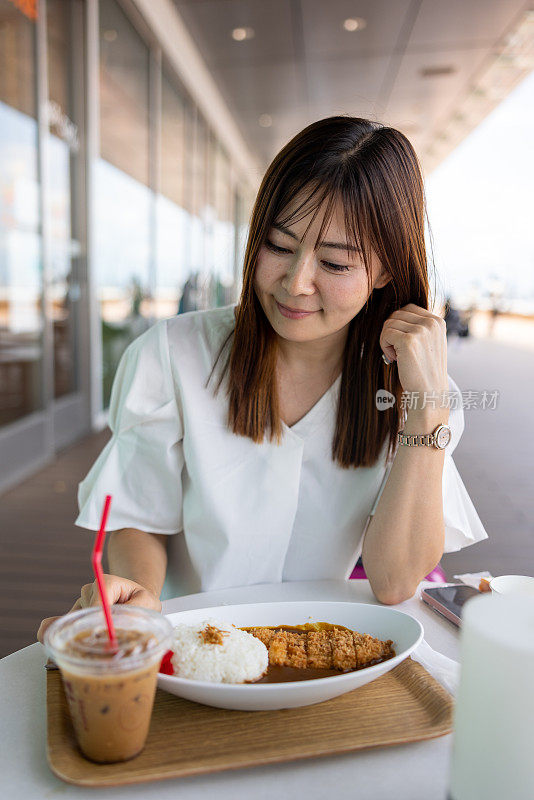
(343, 652)
(264, 635)
(278, 648)
(288, 649)
(368, 649)
(328, 649)
(297, 655)
(319, 650)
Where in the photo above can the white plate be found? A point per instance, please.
(380, 621)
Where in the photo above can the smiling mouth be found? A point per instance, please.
(297, 310)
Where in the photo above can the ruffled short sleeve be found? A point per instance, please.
(142, 463)
(462, 523)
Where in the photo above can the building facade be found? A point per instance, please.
(123, 199)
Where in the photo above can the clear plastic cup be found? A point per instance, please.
(110, 695)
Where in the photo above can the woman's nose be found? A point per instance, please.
(299, 278)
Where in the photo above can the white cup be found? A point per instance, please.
(522, 585)
(494, 713)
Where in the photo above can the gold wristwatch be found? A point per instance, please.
(440, 438)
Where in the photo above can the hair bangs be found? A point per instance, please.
(357, 224)
(307, 205)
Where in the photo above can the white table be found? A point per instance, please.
(416, 771)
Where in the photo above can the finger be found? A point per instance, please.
(411, 312)
(118, 590)
(400, 337)
(410, 316)
(402, 325)
(43, 627)
(144, 599)
(427, 326)
(87, 595)
(393, 336)
(417, 309)
(389, 352)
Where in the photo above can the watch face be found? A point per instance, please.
(443, 437)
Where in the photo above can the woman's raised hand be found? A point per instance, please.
(118, 590)
(416, 339)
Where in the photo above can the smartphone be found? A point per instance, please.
(448, 600)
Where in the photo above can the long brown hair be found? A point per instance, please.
(374, 170)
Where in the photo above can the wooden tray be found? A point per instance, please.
(185, 738)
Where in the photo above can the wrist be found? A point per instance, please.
(139, 557)
(147, 586)
(425, 420)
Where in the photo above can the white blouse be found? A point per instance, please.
(242, 513)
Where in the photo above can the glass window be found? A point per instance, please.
(173, 110)
(198, 277)
(124, 131)
(222, 245)
(21, 321)
(65, 183)
(123, 200)
(173, 218)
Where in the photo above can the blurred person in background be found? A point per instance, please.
(496, 295)
(457, 322)
(452, 318)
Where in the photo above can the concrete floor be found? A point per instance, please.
(495, 456)
(45, 559)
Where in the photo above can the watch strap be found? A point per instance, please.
(416, 439)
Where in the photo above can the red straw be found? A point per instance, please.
(96, 560)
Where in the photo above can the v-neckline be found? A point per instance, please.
(307, 419)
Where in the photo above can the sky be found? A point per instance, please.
(480, 204)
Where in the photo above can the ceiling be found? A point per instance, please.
(411, 66)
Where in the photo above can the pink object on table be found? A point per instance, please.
(437, 575)
(358, 573)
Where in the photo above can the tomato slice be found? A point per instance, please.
(166, 664)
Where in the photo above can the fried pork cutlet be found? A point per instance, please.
(328, 649)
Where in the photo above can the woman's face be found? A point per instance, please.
(329, 283)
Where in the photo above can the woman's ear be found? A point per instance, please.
(382, 280)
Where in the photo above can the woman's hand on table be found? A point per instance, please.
(118, 590)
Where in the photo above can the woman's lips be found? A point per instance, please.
(287, 312)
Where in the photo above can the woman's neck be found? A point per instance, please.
(317, 358)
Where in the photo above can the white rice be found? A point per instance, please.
(241, 656)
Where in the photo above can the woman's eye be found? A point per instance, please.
(336, 267)
(275, 248)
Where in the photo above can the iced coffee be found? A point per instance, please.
(110, 691)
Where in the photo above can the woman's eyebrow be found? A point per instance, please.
(334, 245)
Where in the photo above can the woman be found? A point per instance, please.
(274, 478)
